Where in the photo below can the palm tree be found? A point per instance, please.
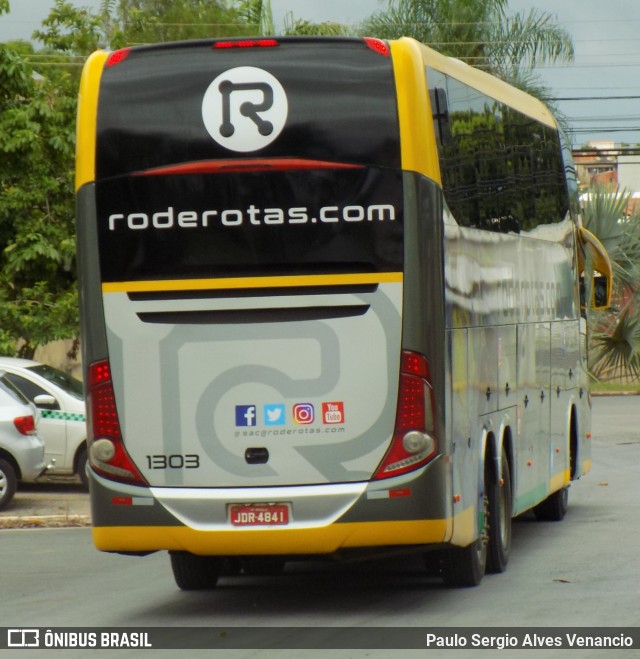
(481, 33)
(615, 335)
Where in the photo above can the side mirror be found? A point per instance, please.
(46, 402)
(592, 251)
(601, 299)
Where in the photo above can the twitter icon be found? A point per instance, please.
(274, 415)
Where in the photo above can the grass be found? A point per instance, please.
(615, 388)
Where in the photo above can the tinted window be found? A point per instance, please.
(60, 379)
(501, 170)
(28, 388)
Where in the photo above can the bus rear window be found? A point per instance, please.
(230, 225)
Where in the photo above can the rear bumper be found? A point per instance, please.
(324, 518)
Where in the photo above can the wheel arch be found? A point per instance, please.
(12, 461)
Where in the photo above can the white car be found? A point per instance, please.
(21, 449)
(60, 400)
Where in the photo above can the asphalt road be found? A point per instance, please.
(581, 572)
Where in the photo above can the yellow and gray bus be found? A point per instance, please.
(330, 304)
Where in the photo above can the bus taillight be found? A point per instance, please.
(107, 453)
(378, 46)
(246, 43)
(118, 56)
(413, 441)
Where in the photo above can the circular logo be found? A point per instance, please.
(245, 109)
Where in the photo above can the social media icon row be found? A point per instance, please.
(275, 414)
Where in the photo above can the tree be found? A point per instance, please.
(615, 335)
(480, 32)
(38, 301)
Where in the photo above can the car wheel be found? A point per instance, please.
(8, 483)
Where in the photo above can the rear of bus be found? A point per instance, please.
(255, 365)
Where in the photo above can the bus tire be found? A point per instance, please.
(464, 567)
(81, 467)
(554, 507)
(500, 519)
(8, 483)
(193, 572)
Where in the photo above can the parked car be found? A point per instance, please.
(21, 448)
(59, 398)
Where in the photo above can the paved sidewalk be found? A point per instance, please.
(51, 502)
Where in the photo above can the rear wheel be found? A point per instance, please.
(464, 567)
(193, 572)
(8, 483)
(554, 507)
(500, 519)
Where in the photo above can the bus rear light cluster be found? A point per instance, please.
(118, 56)
(107, 452)
(378, 46)
(413, 443)
(246, 43)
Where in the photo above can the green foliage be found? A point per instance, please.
(481, 33)
(37, 277)
(615, 335)
(617, 352)
(307, 28)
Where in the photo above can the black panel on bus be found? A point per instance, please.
(340, 98)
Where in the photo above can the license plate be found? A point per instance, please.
(259, 514)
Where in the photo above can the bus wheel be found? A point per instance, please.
(193, 572)
(554, 507)
(500, 520)
(464, 567)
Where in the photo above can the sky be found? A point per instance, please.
(605, 34)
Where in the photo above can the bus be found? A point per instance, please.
(331, 305)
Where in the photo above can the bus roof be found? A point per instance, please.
(487, 84)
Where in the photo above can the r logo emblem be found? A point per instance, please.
(244, 109)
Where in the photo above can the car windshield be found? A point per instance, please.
(72, 386)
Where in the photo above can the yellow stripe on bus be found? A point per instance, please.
(87, 121)
(249, 282)
(325, 540)
(419, 152)
(560, 480)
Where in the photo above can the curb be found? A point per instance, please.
(44, 522)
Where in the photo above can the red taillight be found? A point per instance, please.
(413, 442)
(118, 56)
(26, 425)
(115, 462)
(378, 46)
(247, 43)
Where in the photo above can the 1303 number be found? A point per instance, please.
(176, 461)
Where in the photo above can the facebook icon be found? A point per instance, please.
(246, 415)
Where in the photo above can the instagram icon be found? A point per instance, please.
(303, 413)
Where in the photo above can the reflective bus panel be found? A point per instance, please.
(329, 301)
